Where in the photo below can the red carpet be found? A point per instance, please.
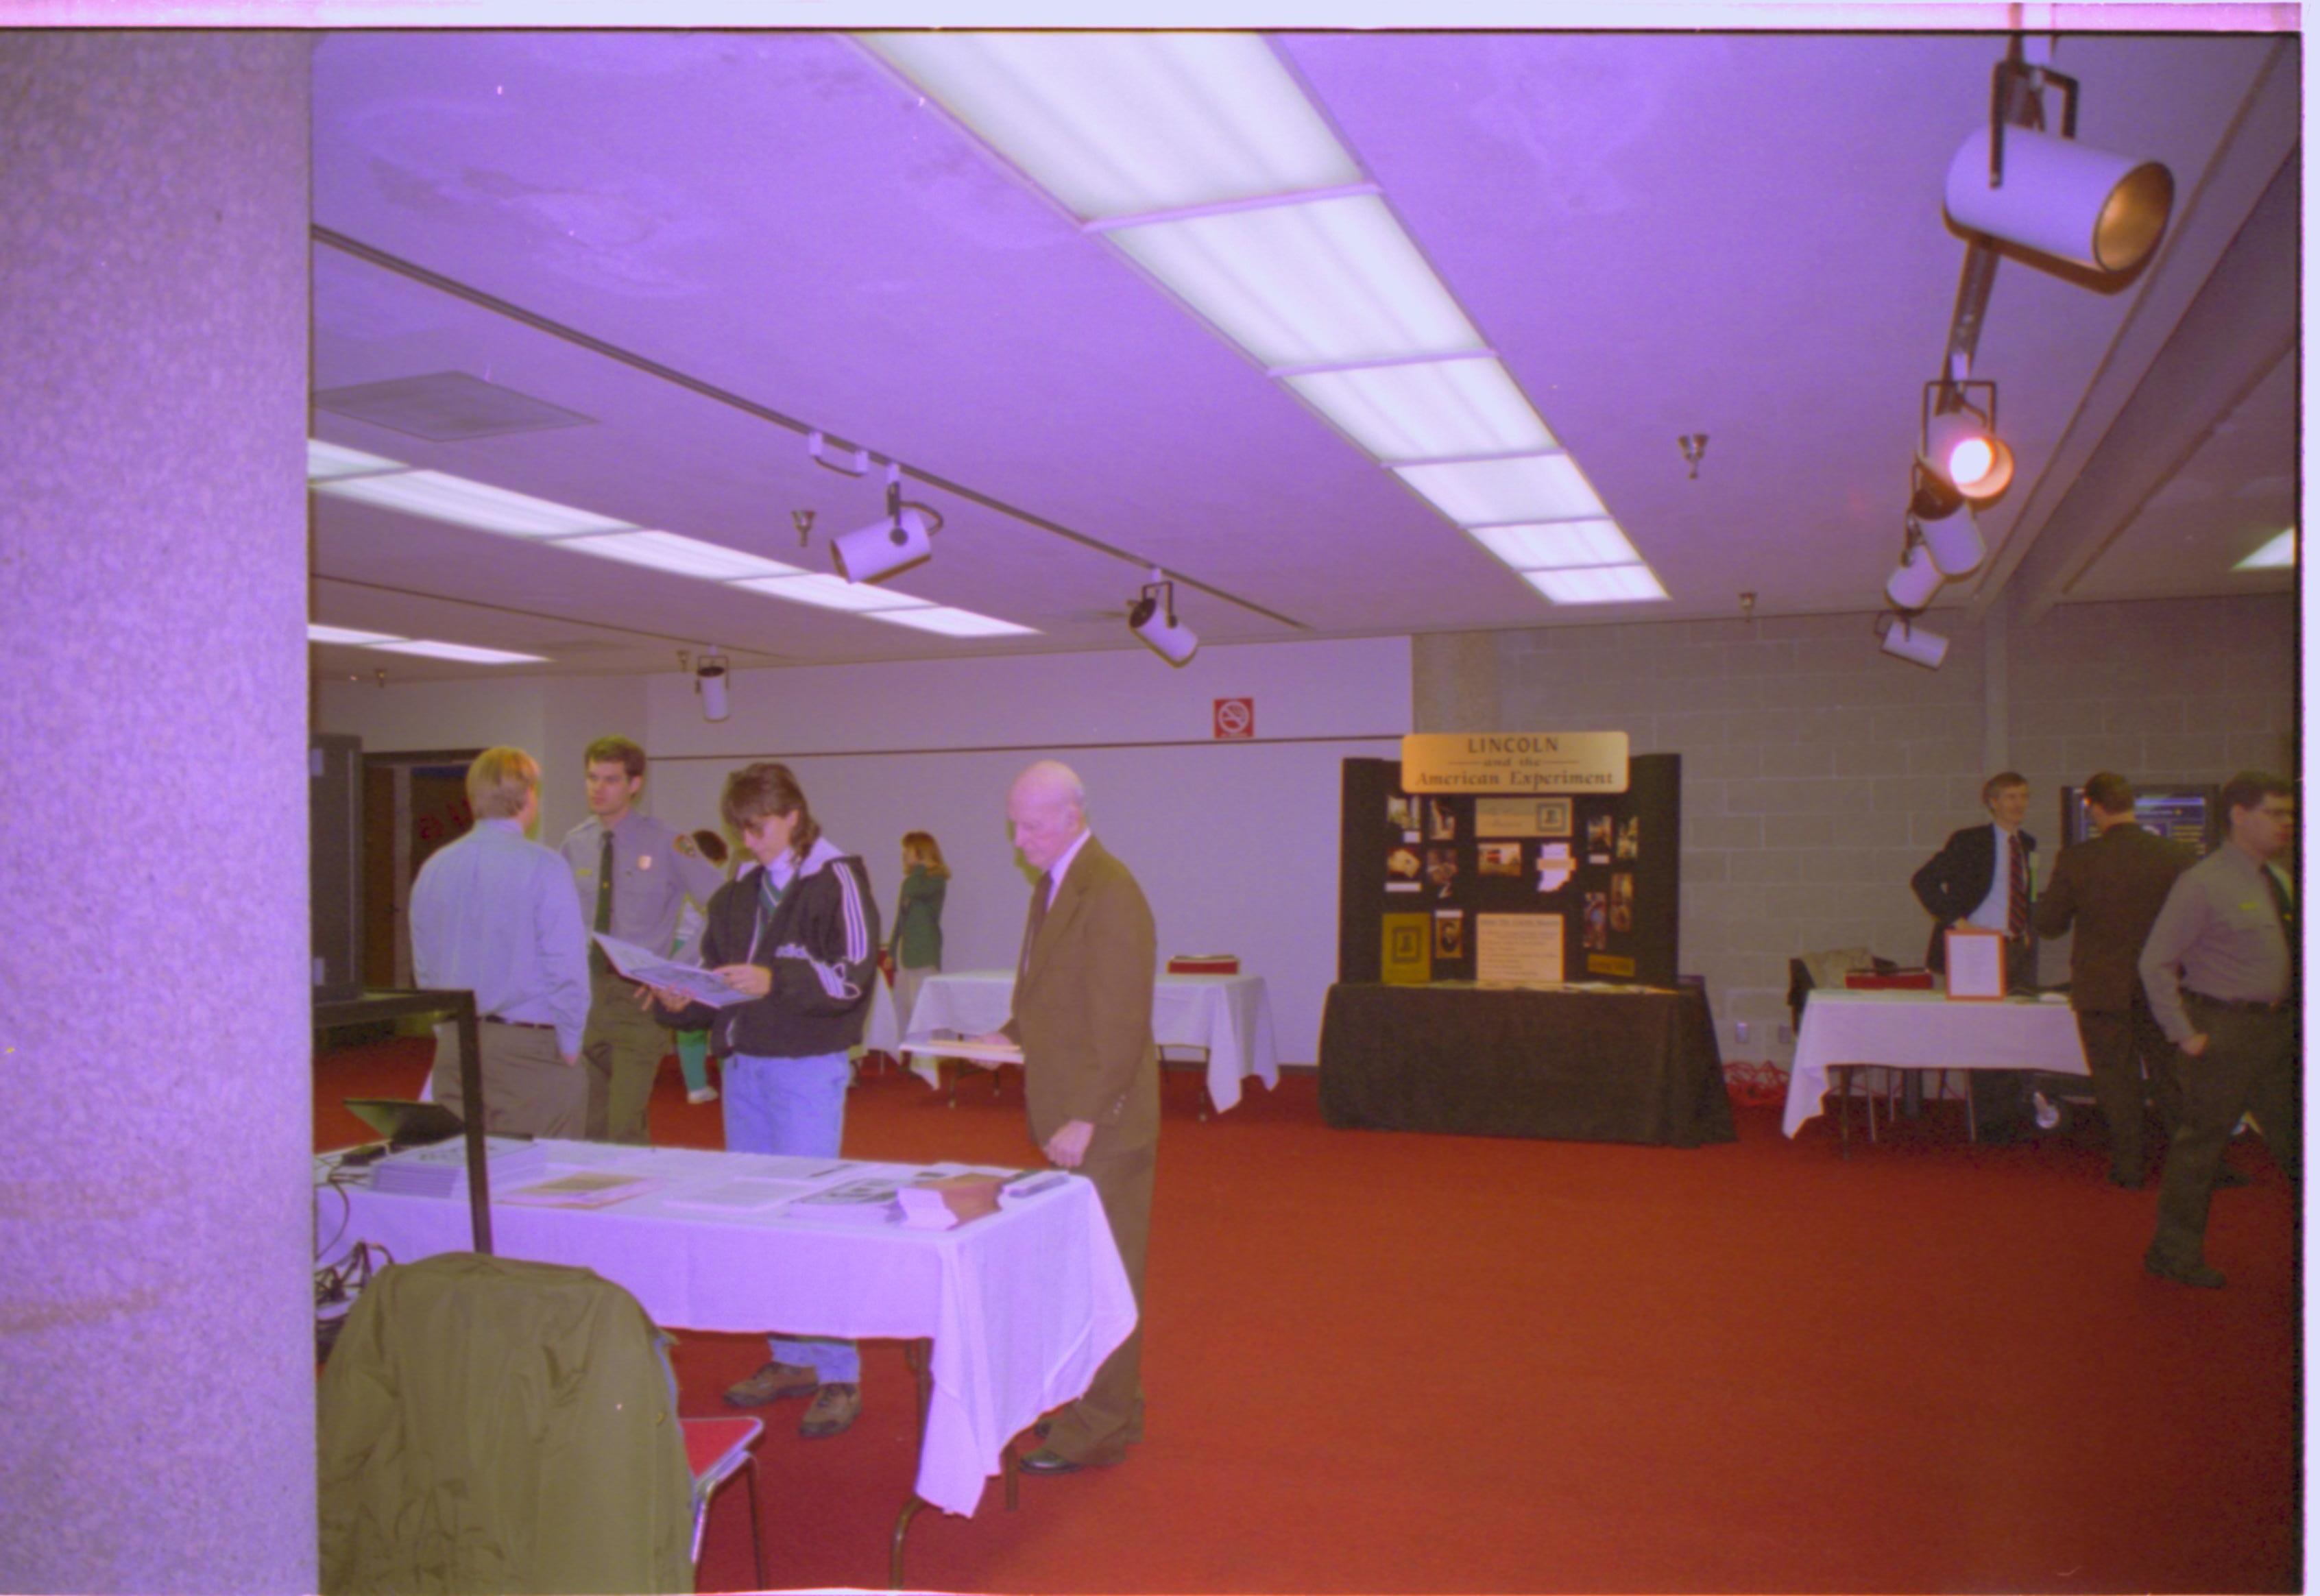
(1437, 1363)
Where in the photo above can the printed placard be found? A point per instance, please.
(1487, 762)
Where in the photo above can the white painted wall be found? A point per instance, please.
(1235, 844)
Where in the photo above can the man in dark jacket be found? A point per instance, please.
(1982, 878)
(2107, 891)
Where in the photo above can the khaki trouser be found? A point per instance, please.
(528, 1088)
(2251, 1065)
(621, 1054)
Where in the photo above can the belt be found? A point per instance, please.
(2248, 1005)
(518, 1024)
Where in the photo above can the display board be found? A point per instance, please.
(1538, 888)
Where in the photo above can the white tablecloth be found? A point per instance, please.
(1021, 1306)
(1925, 1031)
(1229, 1015)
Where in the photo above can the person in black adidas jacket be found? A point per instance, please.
(799, 935)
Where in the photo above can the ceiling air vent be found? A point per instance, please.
(447, 406)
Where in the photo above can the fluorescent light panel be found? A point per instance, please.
(677, 554)
(2279, 554)
(953, 623)
(1328, 283)
(317, 633)
(1427, 411)
(1123, 124)
(1557, 545)
(1598, 584)
(463, 652)
(327, 460)
(438, 496)
(826, 592)
(1484, 492)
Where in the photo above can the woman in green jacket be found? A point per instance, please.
(917, 947)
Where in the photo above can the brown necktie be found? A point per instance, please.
(1031, 926)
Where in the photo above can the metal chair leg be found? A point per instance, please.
(756, 1526)
(901, 1527)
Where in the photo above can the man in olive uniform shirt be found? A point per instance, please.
(2106, 891)
(2222, 972)
(633, 874)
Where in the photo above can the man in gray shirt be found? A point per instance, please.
(633, 874)
(491, 913)
(2221, 969)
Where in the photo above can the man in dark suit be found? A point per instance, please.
(1982, 878)
(2107, 891)
(1083, 1015)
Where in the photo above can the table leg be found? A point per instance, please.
(916, 1356)
(1843, 1074)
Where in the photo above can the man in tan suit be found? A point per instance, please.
(2108, 890)
(1083, 1015)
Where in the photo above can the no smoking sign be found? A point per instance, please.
(1236, 718)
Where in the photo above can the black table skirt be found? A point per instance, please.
(1571, 1065)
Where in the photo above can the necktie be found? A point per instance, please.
(1031, 926)
(2285, 907)
(597, 963)
(2017, 893)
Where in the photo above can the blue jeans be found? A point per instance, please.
(795, 1107)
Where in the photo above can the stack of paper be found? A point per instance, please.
(441, 1169)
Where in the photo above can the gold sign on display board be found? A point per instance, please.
(1508, 762)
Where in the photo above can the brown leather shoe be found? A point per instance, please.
(834, 1407)
(771, 1384)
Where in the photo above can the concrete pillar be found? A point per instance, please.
(156, 1311)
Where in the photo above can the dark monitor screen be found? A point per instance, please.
(2184, 814)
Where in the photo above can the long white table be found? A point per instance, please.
(1021, 1306)
(1228, 1015)
(1924, 1030)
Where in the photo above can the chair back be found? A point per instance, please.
(488, 1424)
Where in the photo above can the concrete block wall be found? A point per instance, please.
(1820, 773)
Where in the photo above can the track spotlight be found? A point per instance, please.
(1154, 622)
(1957, 440)
(884, 547)
(709, 676)
(903, 538)
(1912, 586)
(1953, 542)
(1945, 523)
(2054, 195)
(1905, 640)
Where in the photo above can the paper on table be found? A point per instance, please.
(639, 963)
(1977, 964)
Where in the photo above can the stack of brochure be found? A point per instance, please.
(441, 1169)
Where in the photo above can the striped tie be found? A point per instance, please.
(2017, 893)
(1031, 926)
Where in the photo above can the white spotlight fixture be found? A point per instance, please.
(709, 681)
(1154, 622)
(2054, 195)
(903, 538)
(1957, 440)
(1912, 586)
(1943, 520)
(1906, 640)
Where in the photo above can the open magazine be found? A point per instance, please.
(638, 964)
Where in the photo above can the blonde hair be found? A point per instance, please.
(929, 851)
(500, 781)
